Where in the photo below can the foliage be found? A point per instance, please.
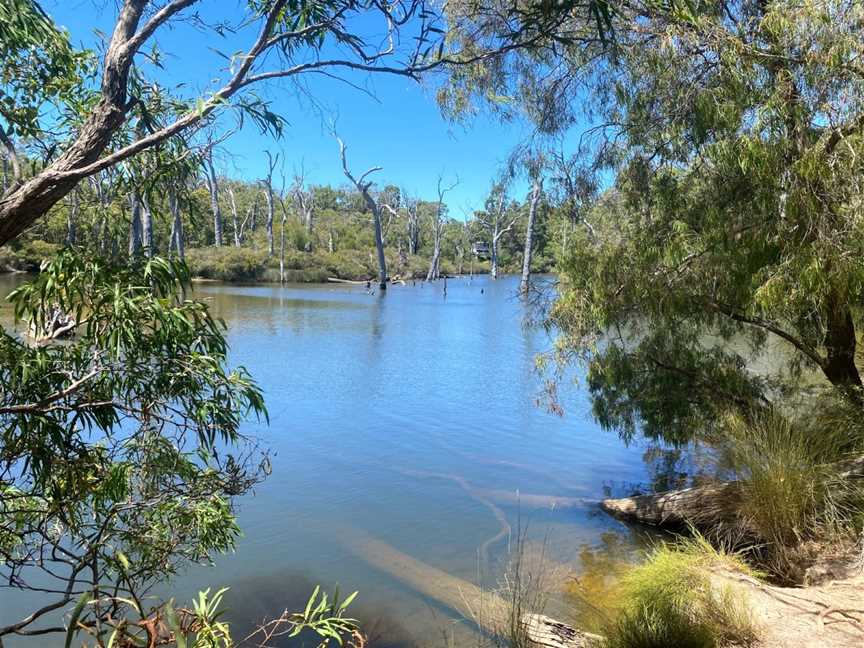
(734, 224)
(669, 600)
(37, 64)
(121, 452)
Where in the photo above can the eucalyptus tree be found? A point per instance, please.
(437, 227)
(533, 164)
(496, 219)
(213, 188)
(734, 132)
(72, 218)
(109, 476)
(363, 185)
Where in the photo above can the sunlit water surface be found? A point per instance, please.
(382, 407)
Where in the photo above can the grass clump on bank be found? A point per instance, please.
(794, 490)
(671, 600)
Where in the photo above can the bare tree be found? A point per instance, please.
(268, 195)
(284, 210)
(496, 221)
(238, 225)
(304, 203)
(412, 222)
(363, 187)
(438, 230)
(536, 193)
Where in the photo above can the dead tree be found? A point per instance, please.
(304, 203)
(238, 225)
(438, 231)
(268, 195)
(363, 186)
(536, 193)
(412, 223)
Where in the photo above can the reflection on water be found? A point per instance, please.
(368, 395)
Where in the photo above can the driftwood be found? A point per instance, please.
(549, 633)
(347, 281)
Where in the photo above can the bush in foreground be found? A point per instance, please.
(670, 600)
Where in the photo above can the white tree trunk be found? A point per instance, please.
(146, 227)
(529, 236)
(177, 242)
(268, 194)
(72, 219)
(135, 224)
(213, 185)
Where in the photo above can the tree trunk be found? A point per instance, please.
(529, 237)
(72, 219)
(494, 256)
(235, 221)
(309, 223)
(379, 246)
(146, 227)
(135, 225)
(282, 251)
(839, 366)
(213, 185)
(177, 241)
(434, 271)
(268, 193)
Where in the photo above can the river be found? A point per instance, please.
(400, 416)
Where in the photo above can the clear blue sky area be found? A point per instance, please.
(399, 128)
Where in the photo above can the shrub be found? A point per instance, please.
(670, 600)
(226, 263)
(792, 488)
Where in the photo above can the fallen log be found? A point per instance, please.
(714, 505)
(347, 281)
(487, 609)
(711, 504)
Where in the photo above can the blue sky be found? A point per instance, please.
(400, 128)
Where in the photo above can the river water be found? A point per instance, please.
(410, 418)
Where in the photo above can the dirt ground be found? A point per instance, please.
(829, 614)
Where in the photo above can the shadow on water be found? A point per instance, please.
(252, 602)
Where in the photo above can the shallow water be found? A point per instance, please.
(379, 405)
